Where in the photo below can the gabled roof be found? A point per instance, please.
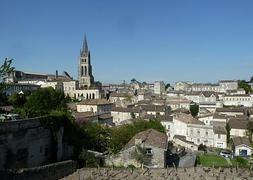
(219, 130)
(119, 95)
(238, 124)
(237, 141)
(94, 102)
(155, 108)
(208, 93)
(194, 93)
(121, 109)
(149, 137)
(183, 138)
(230, 110)
(227, 81)
(219, 116)
(237, 95)
(166, 118)
(187, 118)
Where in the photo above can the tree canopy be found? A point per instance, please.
(113, 139)
(167, 86)
(243, 84)
(6, 69)
(251, 79)
(194, 110)
(42, 102)
(133, 80)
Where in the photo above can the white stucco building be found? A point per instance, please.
(242, 146)
(120, 114)
(227, 85)
(238, 100)
(182, 86)
(97, 106)
(238, 127)
(72, 90)
(193, 132)
(57, 85)
(159, 87)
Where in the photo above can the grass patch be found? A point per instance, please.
(240, 162)
(212, 160)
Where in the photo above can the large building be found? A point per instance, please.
(85, 76)
(159, 87)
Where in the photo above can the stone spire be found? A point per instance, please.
(85, 48)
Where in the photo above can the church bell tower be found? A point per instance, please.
(85, 76)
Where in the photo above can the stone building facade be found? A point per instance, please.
(153, 144)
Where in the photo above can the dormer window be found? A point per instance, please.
(149, 151)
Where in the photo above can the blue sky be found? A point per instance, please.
(170, 40)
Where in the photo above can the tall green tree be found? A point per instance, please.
(6, 69)
(194, 110)
(243, 84)
(250, 130)
(228, 132)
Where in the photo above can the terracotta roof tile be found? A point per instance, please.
(150, 137)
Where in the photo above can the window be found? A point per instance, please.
(198, 132)
(191, 131)
(219, 136)
(206, 133)
(198, 141)
(85, 71)
(81, 70)
(149, 151)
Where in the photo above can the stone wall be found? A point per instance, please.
(28, 143)
(47, 172)
(125, 158)
(161, 174)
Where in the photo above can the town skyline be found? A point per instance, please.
(169, 41)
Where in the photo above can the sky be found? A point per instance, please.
(169, 40)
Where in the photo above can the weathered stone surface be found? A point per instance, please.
(160, 174)
(47, 172)
(28, 143)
